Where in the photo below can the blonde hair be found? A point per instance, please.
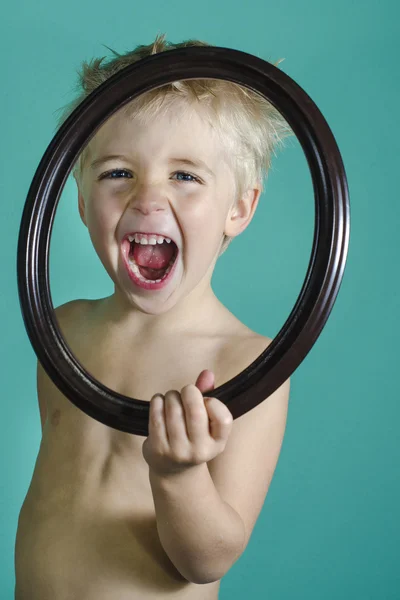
(249, 126)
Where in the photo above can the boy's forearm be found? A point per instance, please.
(202, 535)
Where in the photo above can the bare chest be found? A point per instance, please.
(88, 460)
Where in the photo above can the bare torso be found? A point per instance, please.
(87, 528)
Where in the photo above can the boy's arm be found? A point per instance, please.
(201, 534)
(205, 516)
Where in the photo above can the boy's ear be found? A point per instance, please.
(81, 207)
(242, 212)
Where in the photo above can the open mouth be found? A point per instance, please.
(151, 263)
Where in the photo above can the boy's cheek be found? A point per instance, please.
(102, 226)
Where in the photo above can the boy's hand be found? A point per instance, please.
(186, 429)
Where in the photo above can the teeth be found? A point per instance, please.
(153, 239)
(143, 239)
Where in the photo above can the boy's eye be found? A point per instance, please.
(114, 174)
(193, 178)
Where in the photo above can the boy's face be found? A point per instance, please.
(155, 189)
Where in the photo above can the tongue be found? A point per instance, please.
(153, 257)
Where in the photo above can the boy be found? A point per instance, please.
(163, 187)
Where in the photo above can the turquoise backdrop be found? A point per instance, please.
(329, 527)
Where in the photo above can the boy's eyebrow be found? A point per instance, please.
(196, 164)
(103, 159)
(186, 161)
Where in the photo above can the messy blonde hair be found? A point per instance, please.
(249, 126)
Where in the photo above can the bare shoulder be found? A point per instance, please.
(66, 314)
(243, 472)
(68, 317)
(71, 317)
(70, 312)
(239, 353)
(257, 345)
(242, 352)
(241, 347)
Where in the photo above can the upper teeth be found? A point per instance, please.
(141, 238)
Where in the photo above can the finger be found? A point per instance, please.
(177, 433)
(205, 381)
(196, 415)
(157, 428)
(220, 417)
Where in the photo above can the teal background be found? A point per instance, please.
(329, 527)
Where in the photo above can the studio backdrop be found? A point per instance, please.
(328, 527)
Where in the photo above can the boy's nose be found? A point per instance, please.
(148, 199)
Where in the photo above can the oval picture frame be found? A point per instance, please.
(328, 255)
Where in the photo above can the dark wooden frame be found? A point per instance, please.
(328, 256)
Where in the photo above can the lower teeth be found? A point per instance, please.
(138, 274)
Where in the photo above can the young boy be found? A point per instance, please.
(163, 187)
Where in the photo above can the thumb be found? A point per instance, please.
(205, 381)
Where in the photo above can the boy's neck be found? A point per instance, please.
(194, 316)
